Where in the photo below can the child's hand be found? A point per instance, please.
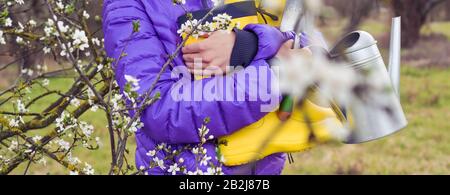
(286, 52)
(214, 53)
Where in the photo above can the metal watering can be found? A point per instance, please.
(359, 51)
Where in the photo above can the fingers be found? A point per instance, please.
(286, 52)
(193, 57)
(190, 64)
(305, 52)
(192, 48)
(286, 49)
(199, 66)
(289, 44)
(196, 47)
(209, 71)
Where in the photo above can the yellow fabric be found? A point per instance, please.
(269, 135)
(276, 10)
(264, 137)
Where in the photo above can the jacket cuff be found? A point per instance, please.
(245, 48)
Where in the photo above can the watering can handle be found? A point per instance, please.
(395, 54)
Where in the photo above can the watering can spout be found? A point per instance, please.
(395, 54)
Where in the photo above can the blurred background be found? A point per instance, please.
(422, 148)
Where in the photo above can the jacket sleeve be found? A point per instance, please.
(270, 40)
(169, 120)
(257, 42)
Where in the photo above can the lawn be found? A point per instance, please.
(421, 148)
(98, 158)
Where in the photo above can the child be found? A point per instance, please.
(173, 123)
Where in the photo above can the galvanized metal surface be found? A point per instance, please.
(369, 120)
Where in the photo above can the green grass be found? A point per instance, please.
(421, 148)
(99, 159)
(375, 27)
(437, 27)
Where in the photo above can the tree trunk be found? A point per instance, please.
(414, 15)
(360, 9)
(28, 57)
(447, 10)
(355, 10)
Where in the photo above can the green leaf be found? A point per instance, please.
(207, 120)
(136, 26)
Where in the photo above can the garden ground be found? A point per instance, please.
(421, 148)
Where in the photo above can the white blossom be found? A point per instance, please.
(32, 23)
(216, 2)
(210, 171)
(96, 41)
(20, 2)
(63, 144)
(86, 128)
(8, 22)
(65, 122)
(80, 39)
(205, 160)
(73, 160)
(36, 138)
(180, 2)
(173, 169)
(133, 81)
(88, 170)
(222, 21)
(20, 28)
(151, 153)
(27, 71)
(46, 50)
(45, 82)
(63, 28)
(2, 39)
(94, 108)
(42, 161)
(188, 26)
(19, 40)
(13, 146)
(60, 5)
(14, 123)
(99, 67)
(135, 126)
(86, 14)
(75, 102)
(159, 163)
(21, 107)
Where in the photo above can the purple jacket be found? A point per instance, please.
(176, 122)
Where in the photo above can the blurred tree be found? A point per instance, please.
(30, 55)
(359, 10)
(355, 10)
(447, 10)
(414, 16)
